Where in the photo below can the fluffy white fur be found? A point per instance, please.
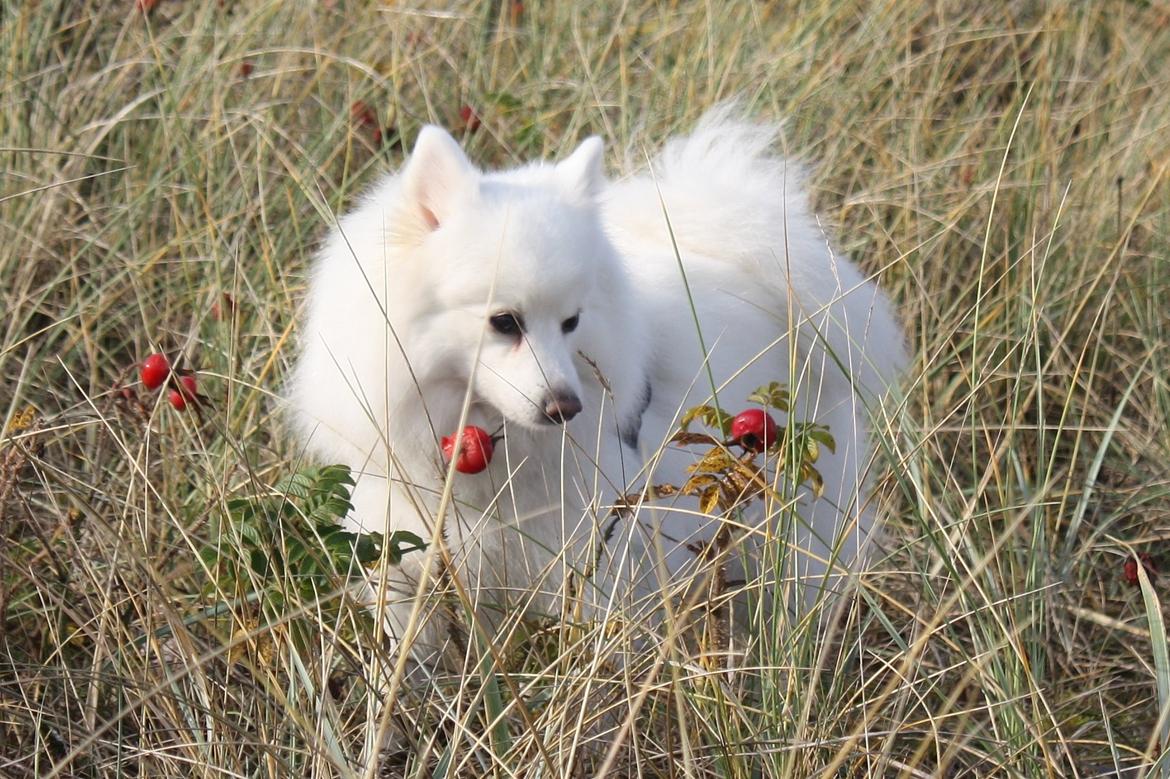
(398, 333)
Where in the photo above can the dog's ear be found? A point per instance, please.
(582, 174)
(437, 176)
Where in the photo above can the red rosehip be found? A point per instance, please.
(146, 6)
(246, 69)
(223, 308)
(475, 449)
(753, 429)
(155, 370)
(186, 392)
(1130, 572)
(470, 118)
(363, 116)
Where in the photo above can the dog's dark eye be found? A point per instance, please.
(570, 324)
(507, 324)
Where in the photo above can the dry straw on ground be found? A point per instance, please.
(1002, 167)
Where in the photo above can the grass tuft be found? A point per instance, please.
(1001, 168)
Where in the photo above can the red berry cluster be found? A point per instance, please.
(156, 371)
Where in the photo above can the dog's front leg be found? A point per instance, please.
(415, 636)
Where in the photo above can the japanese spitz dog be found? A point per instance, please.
(576, 319)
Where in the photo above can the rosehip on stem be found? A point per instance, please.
(156, 369)
(753, 429)
(475, 449)
(470, 118)
(186, 392)
(1130, 571)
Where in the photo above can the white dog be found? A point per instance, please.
(580, 317)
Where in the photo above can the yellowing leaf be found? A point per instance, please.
(709, 414)
(22, 420)
(812, 477)
(698, 483)
(812, 450)
(684, 438)
(741, 485)
(709, 500)
(714, 461)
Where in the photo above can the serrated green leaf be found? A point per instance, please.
(249, 534)
(330, 510)
(772, 395)
(337, 474)
(297, 485)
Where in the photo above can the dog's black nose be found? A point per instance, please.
(562, 406)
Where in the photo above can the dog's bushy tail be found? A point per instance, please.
(729, 195)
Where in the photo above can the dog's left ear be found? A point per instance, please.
(582, 174)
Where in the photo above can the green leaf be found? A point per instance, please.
(1161, 655)
(772, 395)
(209, 555)
(405, 541)
(298, 485)
(337, 474)
(820, 434)
(249, 534)
(260, 563)
(366, 550)
(330, 510)
(237, 505)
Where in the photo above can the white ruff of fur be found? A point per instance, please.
(397, 334)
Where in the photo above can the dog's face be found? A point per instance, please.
(513, 262)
